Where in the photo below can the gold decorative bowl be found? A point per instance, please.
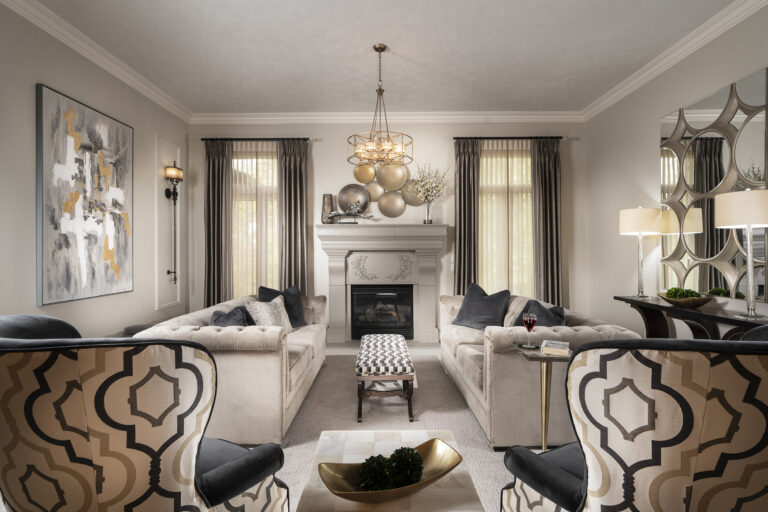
(343, 480)
(688, 303)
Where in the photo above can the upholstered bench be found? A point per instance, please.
(384, 357)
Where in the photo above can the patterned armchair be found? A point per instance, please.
(114, 424)
(663, 425)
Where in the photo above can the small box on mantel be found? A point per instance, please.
(555, 348)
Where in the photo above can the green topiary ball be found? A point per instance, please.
(406, 466)
(375, 474)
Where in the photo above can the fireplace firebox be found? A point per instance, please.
(382, 309)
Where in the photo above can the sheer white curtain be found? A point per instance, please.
(505, 240)
(255, 226)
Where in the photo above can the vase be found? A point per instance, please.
(327, 209)
(427, 212)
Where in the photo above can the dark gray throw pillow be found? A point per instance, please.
(479, 310)
(545, 317)
(239, 316)
(292, 300)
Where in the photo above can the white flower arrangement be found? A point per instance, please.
(430, 183)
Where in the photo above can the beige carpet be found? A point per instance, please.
(332, 405)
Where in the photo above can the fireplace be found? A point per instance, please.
(381, 309)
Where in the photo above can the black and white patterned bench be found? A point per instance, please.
(384, 357)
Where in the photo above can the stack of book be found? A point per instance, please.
(555, 348)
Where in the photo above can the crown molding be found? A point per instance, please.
(707, 115)
(711, 29)
(394, 117)
(56, 26)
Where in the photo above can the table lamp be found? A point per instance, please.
(746, 209)
(640, 222)
(692, 223)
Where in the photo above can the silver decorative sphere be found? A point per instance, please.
(351, 194)
(374, 191)
(364, 173)
(391, 204)
(410, 196)
(392, 177)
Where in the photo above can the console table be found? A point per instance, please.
(703, 321)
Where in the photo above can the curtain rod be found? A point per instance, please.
(557, 137)
(275, 139)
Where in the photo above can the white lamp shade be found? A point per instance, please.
(692, 224)
(742, 209)
(640, 221)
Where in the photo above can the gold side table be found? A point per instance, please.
(545, 362)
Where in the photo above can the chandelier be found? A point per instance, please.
(380, 146)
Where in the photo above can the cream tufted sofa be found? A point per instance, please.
(264, 373)
(502, 388)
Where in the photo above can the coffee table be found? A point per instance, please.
(455, 492)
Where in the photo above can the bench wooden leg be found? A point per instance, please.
(360, 391)
(408, 388)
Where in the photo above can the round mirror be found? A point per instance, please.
(703, 277)
(759, 285)
(670, 232)
(750, 152)
(670, 277)
(700, 236)
(706, 161)
(751, 89)
(699, 115)
(670, 173)
(758, 246)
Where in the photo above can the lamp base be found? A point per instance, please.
(745, 316)
(641, 296)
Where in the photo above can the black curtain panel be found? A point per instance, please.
(467, 224)
(292, 156)
(708, 173)
(545, 180)
(218, 222)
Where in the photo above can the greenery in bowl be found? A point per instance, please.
(722, 292)
(402, 468)
(680, 293)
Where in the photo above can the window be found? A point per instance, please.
(505, 240)
(255, 223)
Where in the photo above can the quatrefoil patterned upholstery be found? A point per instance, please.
(663, 425)
(113, 425)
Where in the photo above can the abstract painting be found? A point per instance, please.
(84, 200)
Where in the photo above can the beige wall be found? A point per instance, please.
(623, 161)
(28, 56)
(433, 143)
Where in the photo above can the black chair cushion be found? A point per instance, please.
(35, 327)
(479, 310)
(756, 334)
(568, 457)
(292, 299)
(237, 316)
(545, 317)
(225, 470)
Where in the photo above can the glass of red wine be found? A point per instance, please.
(529, 321)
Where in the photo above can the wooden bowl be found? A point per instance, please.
(343, 480)
(688, 303)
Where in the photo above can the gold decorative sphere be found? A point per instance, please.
(364, 173)
(392, 177)
(410, 196)
(391, 204)
(374, 191)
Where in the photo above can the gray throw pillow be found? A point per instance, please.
(270, 313)
(479, 310)
(238, 316)
(545, 317)
(293, 304)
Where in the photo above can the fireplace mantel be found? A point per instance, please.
(424, 241)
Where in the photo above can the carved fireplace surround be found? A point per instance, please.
(383, 254)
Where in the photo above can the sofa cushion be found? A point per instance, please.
(299, 358)
(470, 359)
(292, 299)
(237, 316)
(479, 310)
(270, 313)
(452, 336)
(545, 317)
(309, 335)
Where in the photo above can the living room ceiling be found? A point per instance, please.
(239, 56)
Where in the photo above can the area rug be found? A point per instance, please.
(332, 405)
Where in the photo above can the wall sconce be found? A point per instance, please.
(175, 175)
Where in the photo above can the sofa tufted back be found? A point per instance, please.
(672, 425)
(83, 423)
